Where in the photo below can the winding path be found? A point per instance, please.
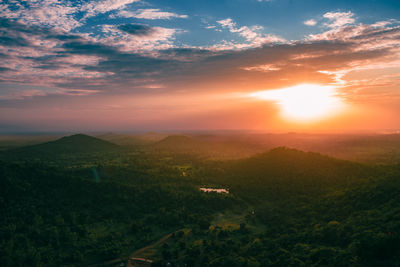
(133, 256)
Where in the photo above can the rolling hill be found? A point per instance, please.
(74, 144)
(293, 164)
(178, 142)
(133, 140)
(285, 171)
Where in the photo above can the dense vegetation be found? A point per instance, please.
(66, 204)
(312, 211)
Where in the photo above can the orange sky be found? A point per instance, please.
(56, 79)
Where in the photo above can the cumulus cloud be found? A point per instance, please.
(338, 19)
(251, 34)
(58, 14)
(137, 37)
(364, 36)
(151, 13)
(38, 61)
(51, 13)
(310, 22)
(94, 7)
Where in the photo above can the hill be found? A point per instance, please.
(295, 164)
(312, 210)
(74, 144)
(285, 172)
(10, 141)
(134, 140)
(178, 143)
(206, 147)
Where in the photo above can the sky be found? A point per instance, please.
(263, 65)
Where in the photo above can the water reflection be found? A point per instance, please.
(218, 190)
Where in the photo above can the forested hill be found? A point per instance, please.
(283, 172)
(178, 142)
(74, 144)
(295, 165)
(211, 148)
(313, 211)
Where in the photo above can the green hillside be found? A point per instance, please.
(304, 209)
(68, 145)
(291, 165)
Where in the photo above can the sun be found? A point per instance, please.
(304, 102)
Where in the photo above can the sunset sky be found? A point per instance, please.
(268, 65)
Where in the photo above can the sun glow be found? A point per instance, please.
(304, 102)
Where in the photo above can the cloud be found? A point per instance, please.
(363, 35)
(92, 63)
(251, 34)
(39, 61)
(95, 7)
(51, 13)
(58, 14)
(263, 68)
(150, 14)
(136, 58)
(46, 57)
(137, 29)
(45, 67)
(13, 40)
(137, 37)
(310, 22)
(339, 19)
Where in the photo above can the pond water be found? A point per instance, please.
(218, 190)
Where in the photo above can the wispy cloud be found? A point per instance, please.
(251, 34)
(263, 68)
(151, 13)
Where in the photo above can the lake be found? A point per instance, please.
(218, 190)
